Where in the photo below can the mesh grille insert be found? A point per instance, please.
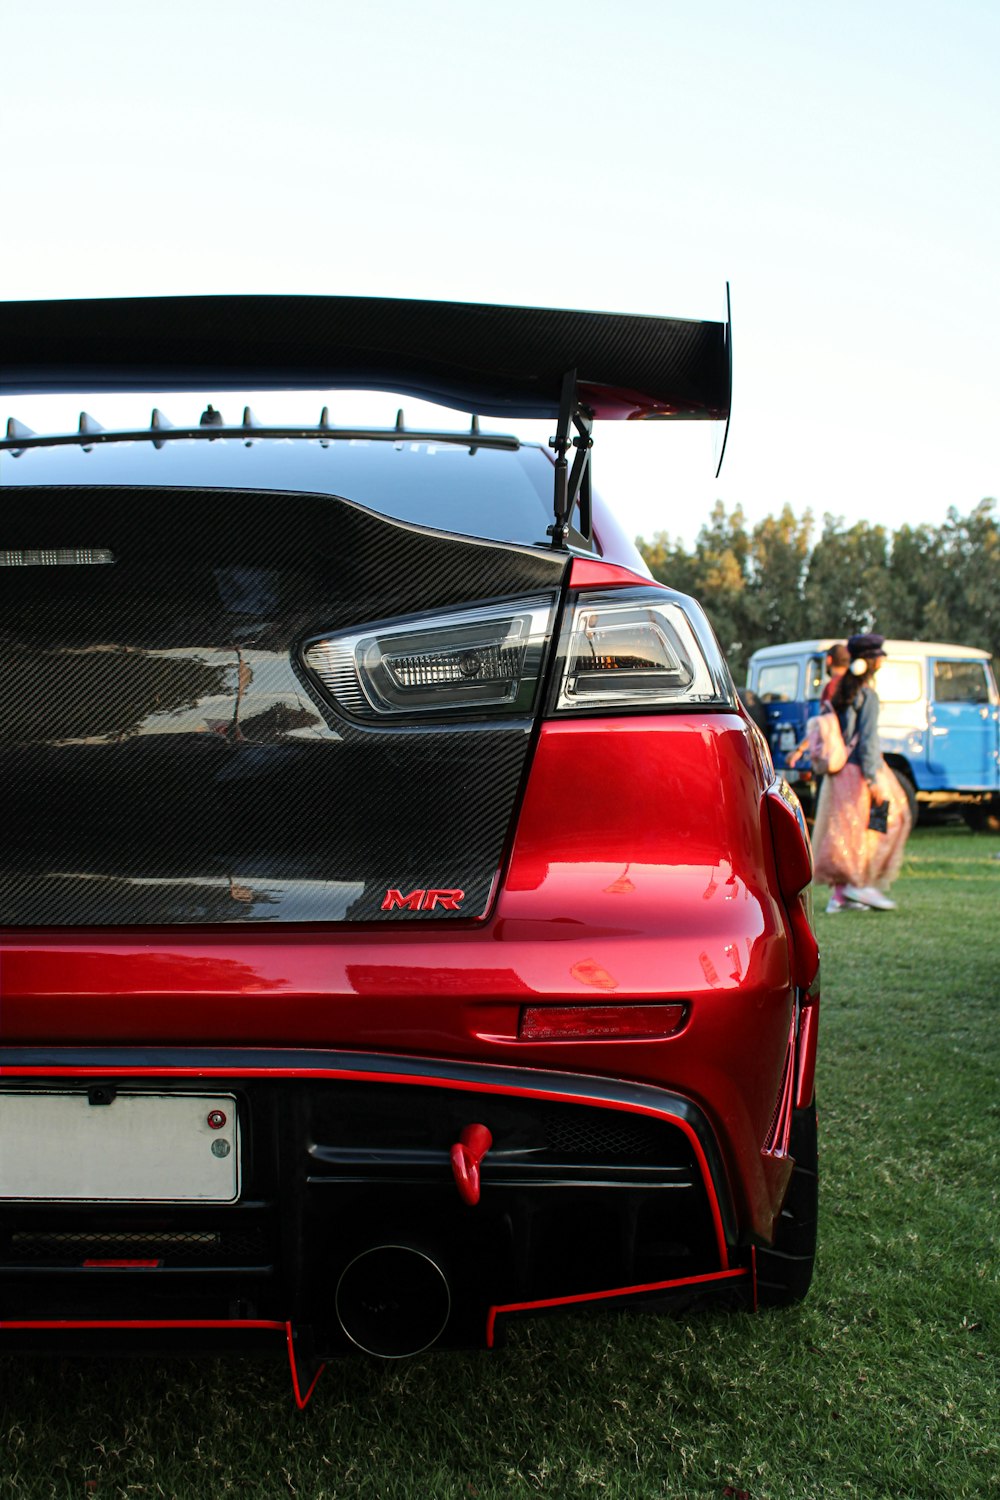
(247, 1246)
(592, 1137)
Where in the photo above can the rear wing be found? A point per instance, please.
(498, 361)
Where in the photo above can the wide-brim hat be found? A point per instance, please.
(869, 645)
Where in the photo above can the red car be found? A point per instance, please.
(403, 926)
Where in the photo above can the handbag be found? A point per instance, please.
(878, 818)
(827, 751)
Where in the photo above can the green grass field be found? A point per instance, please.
(883, 1383)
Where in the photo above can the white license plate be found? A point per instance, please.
(140, 1148)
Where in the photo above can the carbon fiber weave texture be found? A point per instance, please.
(496, 360)
(165, 758)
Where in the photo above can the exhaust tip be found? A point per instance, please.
(393, 1301)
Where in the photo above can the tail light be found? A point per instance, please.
(792, 850)
(639, 648)
(623, 646)
(480, 660)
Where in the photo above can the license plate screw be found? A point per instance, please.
(216, 1119)
(220, 1148)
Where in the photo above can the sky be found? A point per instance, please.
(838, 165)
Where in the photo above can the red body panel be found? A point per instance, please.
(664, 887)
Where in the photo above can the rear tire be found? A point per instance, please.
(784, 1269)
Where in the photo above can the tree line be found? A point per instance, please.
(773, 582)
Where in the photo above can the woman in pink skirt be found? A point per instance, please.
(858, 863)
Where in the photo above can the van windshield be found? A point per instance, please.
(899, 681)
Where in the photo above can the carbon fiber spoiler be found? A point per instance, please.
(500, 361)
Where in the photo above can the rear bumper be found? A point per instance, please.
(593, 1189)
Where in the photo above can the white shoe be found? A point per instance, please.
(836, 904)
(869, 895)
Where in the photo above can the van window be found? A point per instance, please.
(814, 677)
(779, 682)
(960, 682)
(899, 681)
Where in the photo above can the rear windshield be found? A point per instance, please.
(503, 494)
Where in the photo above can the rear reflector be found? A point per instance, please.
(567, 1023)
(793, 858)
(792, 850)
(122, 1265)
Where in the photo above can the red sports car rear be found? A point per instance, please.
(402, 924)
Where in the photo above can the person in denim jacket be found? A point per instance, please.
(856, 861)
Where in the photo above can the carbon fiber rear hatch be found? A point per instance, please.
(165, 756)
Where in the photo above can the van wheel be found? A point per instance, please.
(910, 792)
(982, 817)
(784, 1269)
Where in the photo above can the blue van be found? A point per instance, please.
(939, 718)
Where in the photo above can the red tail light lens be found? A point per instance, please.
(570, 1023)
(792, 850)
(793, 858)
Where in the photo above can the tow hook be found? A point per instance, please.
(466, 1155)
